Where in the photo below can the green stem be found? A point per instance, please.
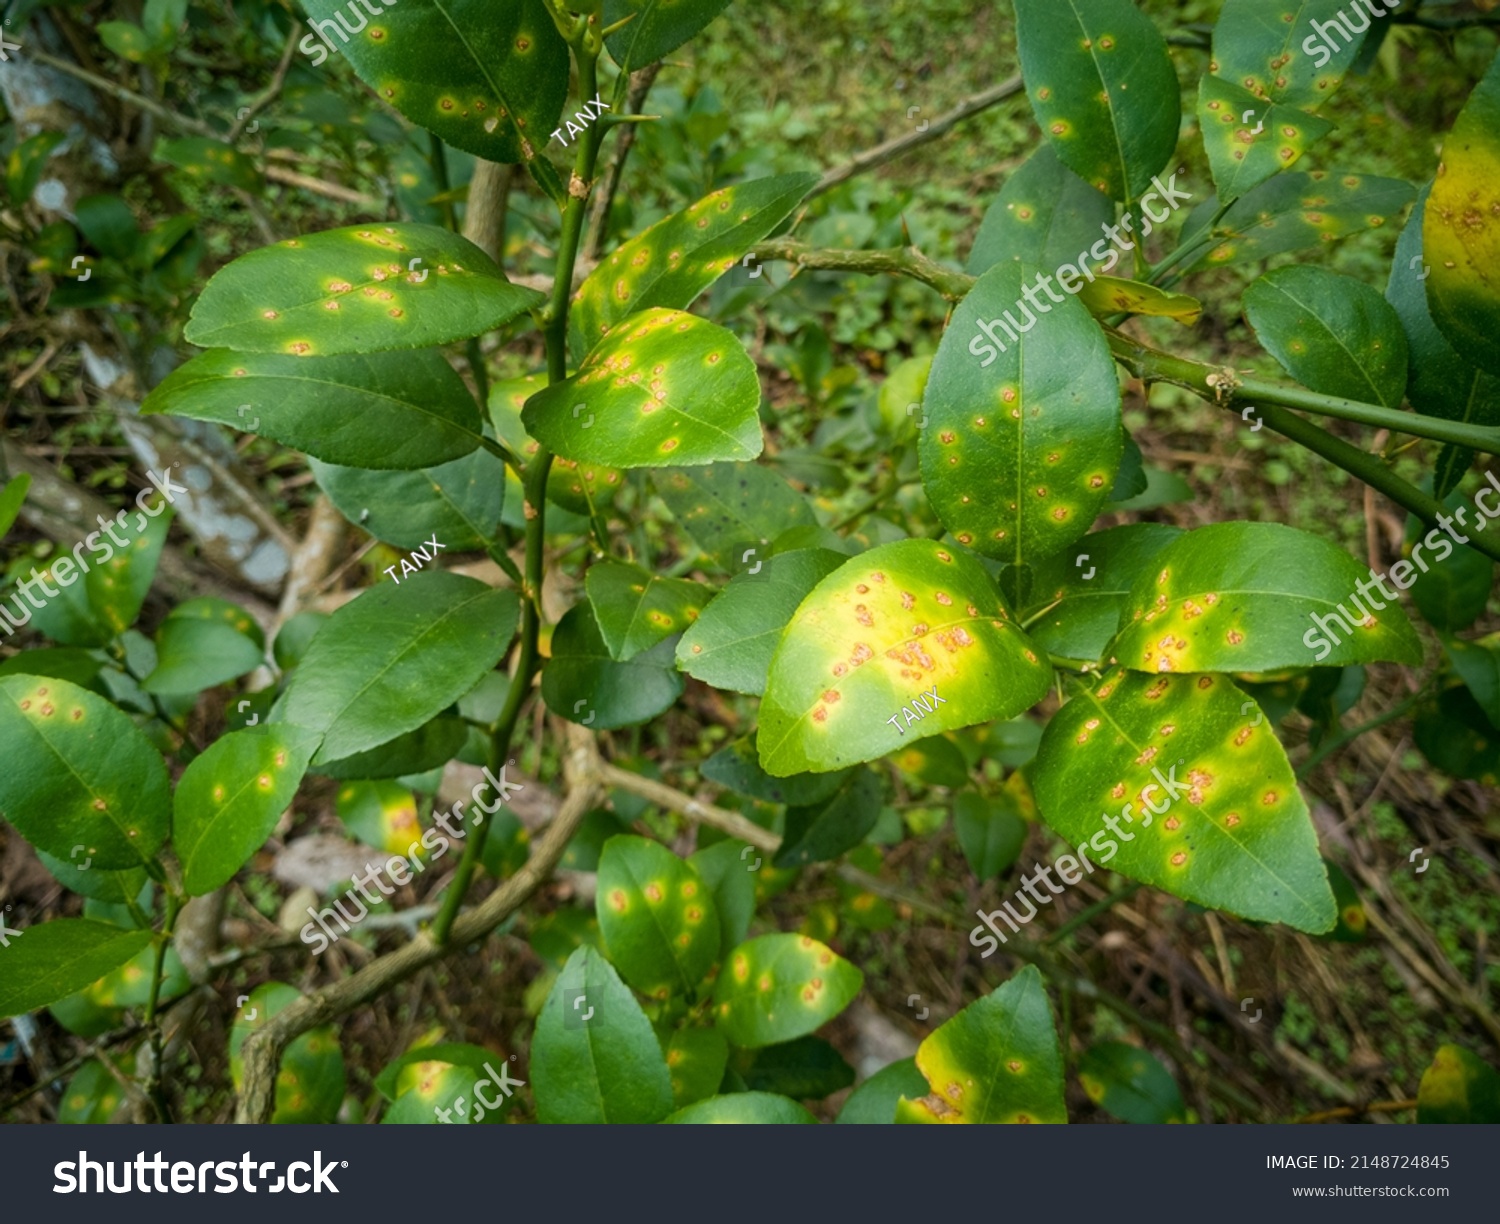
(154, 1087)
(586, 47)
(437, 158)
(1123, 893)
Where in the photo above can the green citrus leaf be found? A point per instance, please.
(582, 488)
(79, 772)
(1019, 455)
(429, 746)
(659, 27)
(458, 503)
(375, 410)
(745, 1108)
(820, 832)
(1292, 211)
(996, 1061)
(92, 1095)
(733, 511)
(1107, 295)
(807, 1069)
(779, 987)
(12, 495)
(489, 79)
(229, 799)
(990, 831)
(598, 1061)
(310, 1081)
(724, 868)
(1044, 215)
(1456, 735)
(111, 887)
(1103, 89)
(668, 389)
(657, 917)
(1248, 140)
(205, 160)
(202, 643)
(874, 1102)
(635, 609)
(1332, 333)
(388, 661)
(361, 289)
(1461, 231)
(381, 814)
(1077, 597)
(877, 634)
(1451, 592)
(696, 1058)
(1458, 1087)
(737, 766)
(1354, 922)
(1439, 382)
(1477, 664)
(1243, 597)
(680, 256)
(52, 960)
(731, 643)
(1130, 1083)
(1276, 48)
(1235, 834)
(584, 684)
(24, 166)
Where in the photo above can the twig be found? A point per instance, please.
(1354, 1111)
(940, 126)
(640, 86)
(269, 93)
(120, 93)
(334, 191)
(901, 261)
(731, 823)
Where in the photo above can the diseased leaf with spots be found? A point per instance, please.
(745, 1108)
(1019, 454)
(78, 771)
(1077, 597)
(696, 1058)
(1263, 46)
(731, 644)
(382, 814)
(229, 799)
(1103, 89)
(582, 488)
(657, 916)
(205, 160)
(360, 289)
(866, 649)
(680, 256)
(1130, 1083)
(52, 960)
(92, 1095)
(1461, 229)
(659, 27)
(996, 1061)
(1108, 295)
(369, 410)
(1242, 597)
(730, 509)
(390, 660)
(635, 609)
(606, 1068)
(489, 79)
(1439, 382)
(310, 1081)
(584, 684)
(202, 643)
(669, 389)
(1458, 1087)
(820, 832)
(779, 987)
(1248, 139)
(457, 503)
(1220, 821)
(114, 589)
(724, 868)
(1289, 212)
(1332, 333)
(1044, 215)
